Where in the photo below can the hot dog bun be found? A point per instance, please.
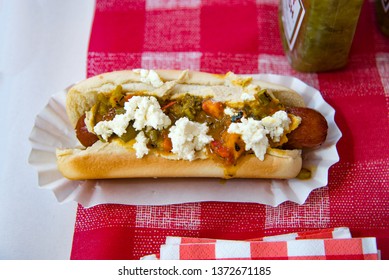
(82, 96)
(112, 160)
(115, 159)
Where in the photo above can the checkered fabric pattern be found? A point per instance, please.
(308, 249)
(243, 36)
(328, 233)
(206, 248)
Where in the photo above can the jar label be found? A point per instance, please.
(292, 16)
(385, 5)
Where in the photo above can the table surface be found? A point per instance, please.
(38, 39)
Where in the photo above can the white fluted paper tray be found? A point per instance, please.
(52, 130)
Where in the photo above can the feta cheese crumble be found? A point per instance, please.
(145, 111)
(106, 128)
(188, 137)
(149, 77)
(276, 124)
(140, 145)
(253, 134)
(230, 111)
(249, 92)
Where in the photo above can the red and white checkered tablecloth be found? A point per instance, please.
(307, 249)
(327, 233)
(317, 245)
(243, 37)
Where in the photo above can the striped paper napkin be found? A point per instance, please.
(327, 244)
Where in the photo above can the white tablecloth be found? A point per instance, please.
(43, 46)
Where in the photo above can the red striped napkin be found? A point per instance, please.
(327, 244)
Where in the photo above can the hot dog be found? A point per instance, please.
(170, 123)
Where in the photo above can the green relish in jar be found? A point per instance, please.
(382, 13)
(317, 34)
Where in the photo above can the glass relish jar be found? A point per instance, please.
(317, 34)
(382, 13)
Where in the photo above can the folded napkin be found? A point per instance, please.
(327, 244)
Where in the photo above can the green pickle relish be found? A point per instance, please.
(317, 34)
(382, 13)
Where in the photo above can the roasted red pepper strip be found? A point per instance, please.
(171, 103)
